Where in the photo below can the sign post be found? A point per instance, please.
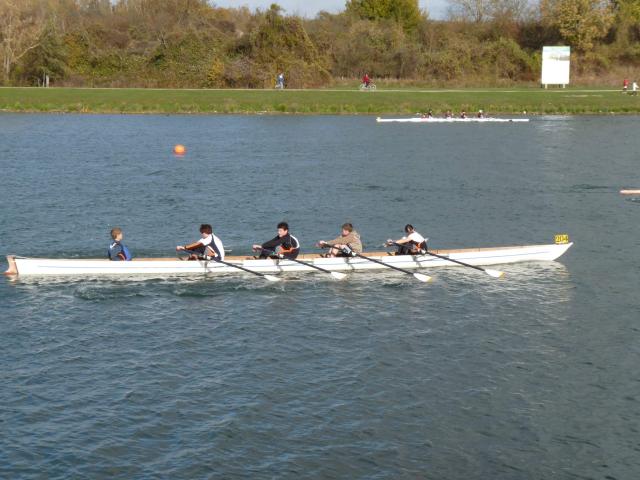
(555, 66)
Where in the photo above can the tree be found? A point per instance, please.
(627, 14)
(405, 12)
(48, 58)
(580, 22)
(481, 10)
(21, 25)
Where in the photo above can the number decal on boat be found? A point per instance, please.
(561, 238)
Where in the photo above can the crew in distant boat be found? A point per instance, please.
(284, 244)
(208, 246)
(429, 114)
(448, 114)
(463, 114)
(480, 114)
(411, 244)
(349, 237)
(117, 250)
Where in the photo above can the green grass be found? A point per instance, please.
(380, 102)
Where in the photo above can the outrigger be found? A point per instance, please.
(477, 257)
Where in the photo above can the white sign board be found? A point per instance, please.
(555, 65)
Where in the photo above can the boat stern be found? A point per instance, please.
(13, 267)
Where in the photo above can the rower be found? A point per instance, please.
(209, 246)
(429, 114)
(348, 238)
(480, 114)
(411, 244)
(283, 245)
(448, 114)
(463, 114)
(117, 250)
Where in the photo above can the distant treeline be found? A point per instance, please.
(192, 43)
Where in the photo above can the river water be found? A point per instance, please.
(377, 377)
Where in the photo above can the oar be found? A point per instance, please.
(336, 275)
(271, 278)
(418, 276)
(488, 271)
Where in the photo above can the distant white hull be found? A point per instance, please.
(451, 120)
(23, 266)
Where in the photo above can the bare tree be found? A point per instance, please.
(21, 24)
(482, 10)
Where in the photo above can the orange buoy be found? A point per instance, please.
(179, 149)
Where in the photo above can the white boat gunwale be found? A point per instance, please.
(19, 266)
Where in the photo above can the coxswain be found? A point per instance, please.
(480, 114)
(348, 238)
(209, 246)
(117, 250)
(411, 244)
(283, 245)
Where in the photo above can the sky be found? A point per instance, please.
(308, 8)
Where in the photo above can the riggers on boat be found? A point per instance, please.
(451, 120)
(23, 266)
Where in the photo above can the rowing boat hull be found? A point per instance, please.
(451, 120)
(630, 192)
(23, 266)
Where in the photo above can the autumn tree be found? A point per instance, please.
(405, 12)
(580, 22)
(627, 19)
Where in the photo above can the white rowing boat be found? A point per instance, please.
(451, 120)
(630, 192)
(23, 266)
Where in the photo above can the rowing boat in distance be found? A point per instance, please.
(452, 120)
(25, 266)
(630, 192)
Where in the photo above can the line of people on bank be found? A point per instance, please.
(283, 245)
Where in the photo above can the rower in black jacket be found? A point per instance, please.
(283, 245)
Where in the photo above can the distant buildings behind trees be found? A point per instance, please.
(190, 43)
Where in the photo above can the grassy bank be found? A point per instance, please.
(339, 101)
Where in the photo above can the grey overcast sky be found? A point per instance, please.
(309, 8)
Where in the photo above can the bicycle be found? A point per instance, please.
(371, 87)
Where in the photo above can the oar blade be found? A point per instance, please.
(422, 277)
(271, 278)
(494, 273)
(338, 275)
